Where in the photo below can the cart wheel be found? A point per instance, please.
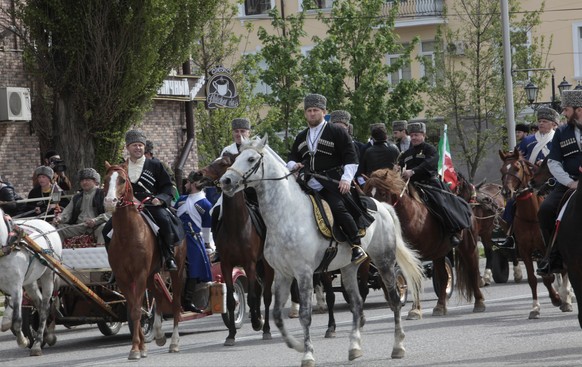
(240, 307)
(499, 267)
(147, 323)
(450, 278)
(109, 328)
(401, 285)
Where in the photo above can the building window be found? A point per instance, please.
(577, 48)
(257, 7)
(318, 4)
(261, 87)
(404, 73)
(427, 49)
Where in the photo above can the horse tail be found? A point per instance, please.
(466, 263)
(407, 259)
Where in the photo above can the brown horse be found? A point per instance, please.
(487, 204)
(516, 172)
(426, 234)
(239, 244)
(135, 258)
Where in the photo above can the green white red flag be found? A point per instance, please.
(446, 169)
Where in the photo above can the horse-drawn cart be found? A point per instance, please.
(84, 295)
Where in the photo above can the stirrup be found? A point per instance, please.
(358, 254)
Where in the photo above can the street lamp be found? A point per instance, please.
(531, 90)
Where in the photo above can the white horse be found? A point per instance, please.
(22, 268)
(294, 247)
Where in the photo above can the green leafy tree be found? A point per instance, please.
(469, 85)
(349, 66)
(102, 62)
(281, 51)
(219, 46)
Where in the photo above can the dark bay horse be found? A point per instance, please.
(568, 240)
(135, 258)
(488, 204)
(425, 233)
(239, 244)
(516, 173)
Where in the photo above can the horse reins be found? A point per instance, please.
(122, 200)
(254, 169)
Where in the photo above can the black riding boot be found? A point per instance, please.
(167, 248)
(509, 243)
(552, 264)
(189, 289)
(358, 254)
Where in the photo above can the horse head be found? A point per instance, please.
(385, 185)
(247, 170)
(542, 179)
(516, 173)
(214, 171)
(117, 187)
(465, 189)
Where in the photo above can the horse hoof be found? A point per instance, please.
(51, 339)
(534, 315)
(36, 352)
(414, 315)
(439, 311)
(174, 348)
(355, 353)
(160, 342)
(557, 303)
(566, 307)
(308, 363)
(479, 307)
(23, 342)
(330, 334)
(6, 326)
(258, 326)
(293, 314)
(134, 355)
(398, 353)
(267, 336)
(143, 353)
(229, 342)
(517, 274)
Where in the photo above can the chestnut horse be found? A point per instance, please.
(135, 258)
(239, 244)
(425, 233)
(516, 173)
(487, 204)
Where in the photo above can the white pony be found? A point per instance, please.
(21, 268)
(294, 247)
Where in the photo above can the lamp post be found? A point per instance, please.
(531, 90)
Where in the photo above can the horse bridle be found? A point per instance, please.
(245, 181)
(122, 200)
(524, 188)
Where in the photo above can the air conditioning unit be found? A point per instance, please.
(15, 104)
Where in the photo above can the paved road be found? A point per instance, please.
(501, 336)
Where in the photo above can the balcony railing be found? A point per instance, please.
(415, 8)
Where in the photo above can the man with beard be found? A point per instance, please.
(563, 161)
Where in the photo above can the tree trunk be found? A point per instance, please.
(72, 139)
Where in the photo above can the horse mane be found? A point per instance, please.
(390, 181)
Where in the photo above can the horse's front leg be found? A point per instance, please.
(230, 302)
(42, 302)
(254, 299)
(532, 280)
(305, 284)
(7, 318)
(386, 270)
(565, 293)
(350, 282)
(330, 301)
(177, 288)
(16, 327)
(441, 279)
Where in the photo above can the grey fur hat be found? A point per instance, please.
(45, 171)
(340, 116)
(399, 125)
(417, 127)
(572, 98)
(91, 174)
(377, 125)
(149, 147)
(241, 123)
(135, 136)
(547, 113)
(314, 100)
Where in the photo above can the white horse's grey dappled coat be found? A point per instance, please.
(21, 269)
(294, 246)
